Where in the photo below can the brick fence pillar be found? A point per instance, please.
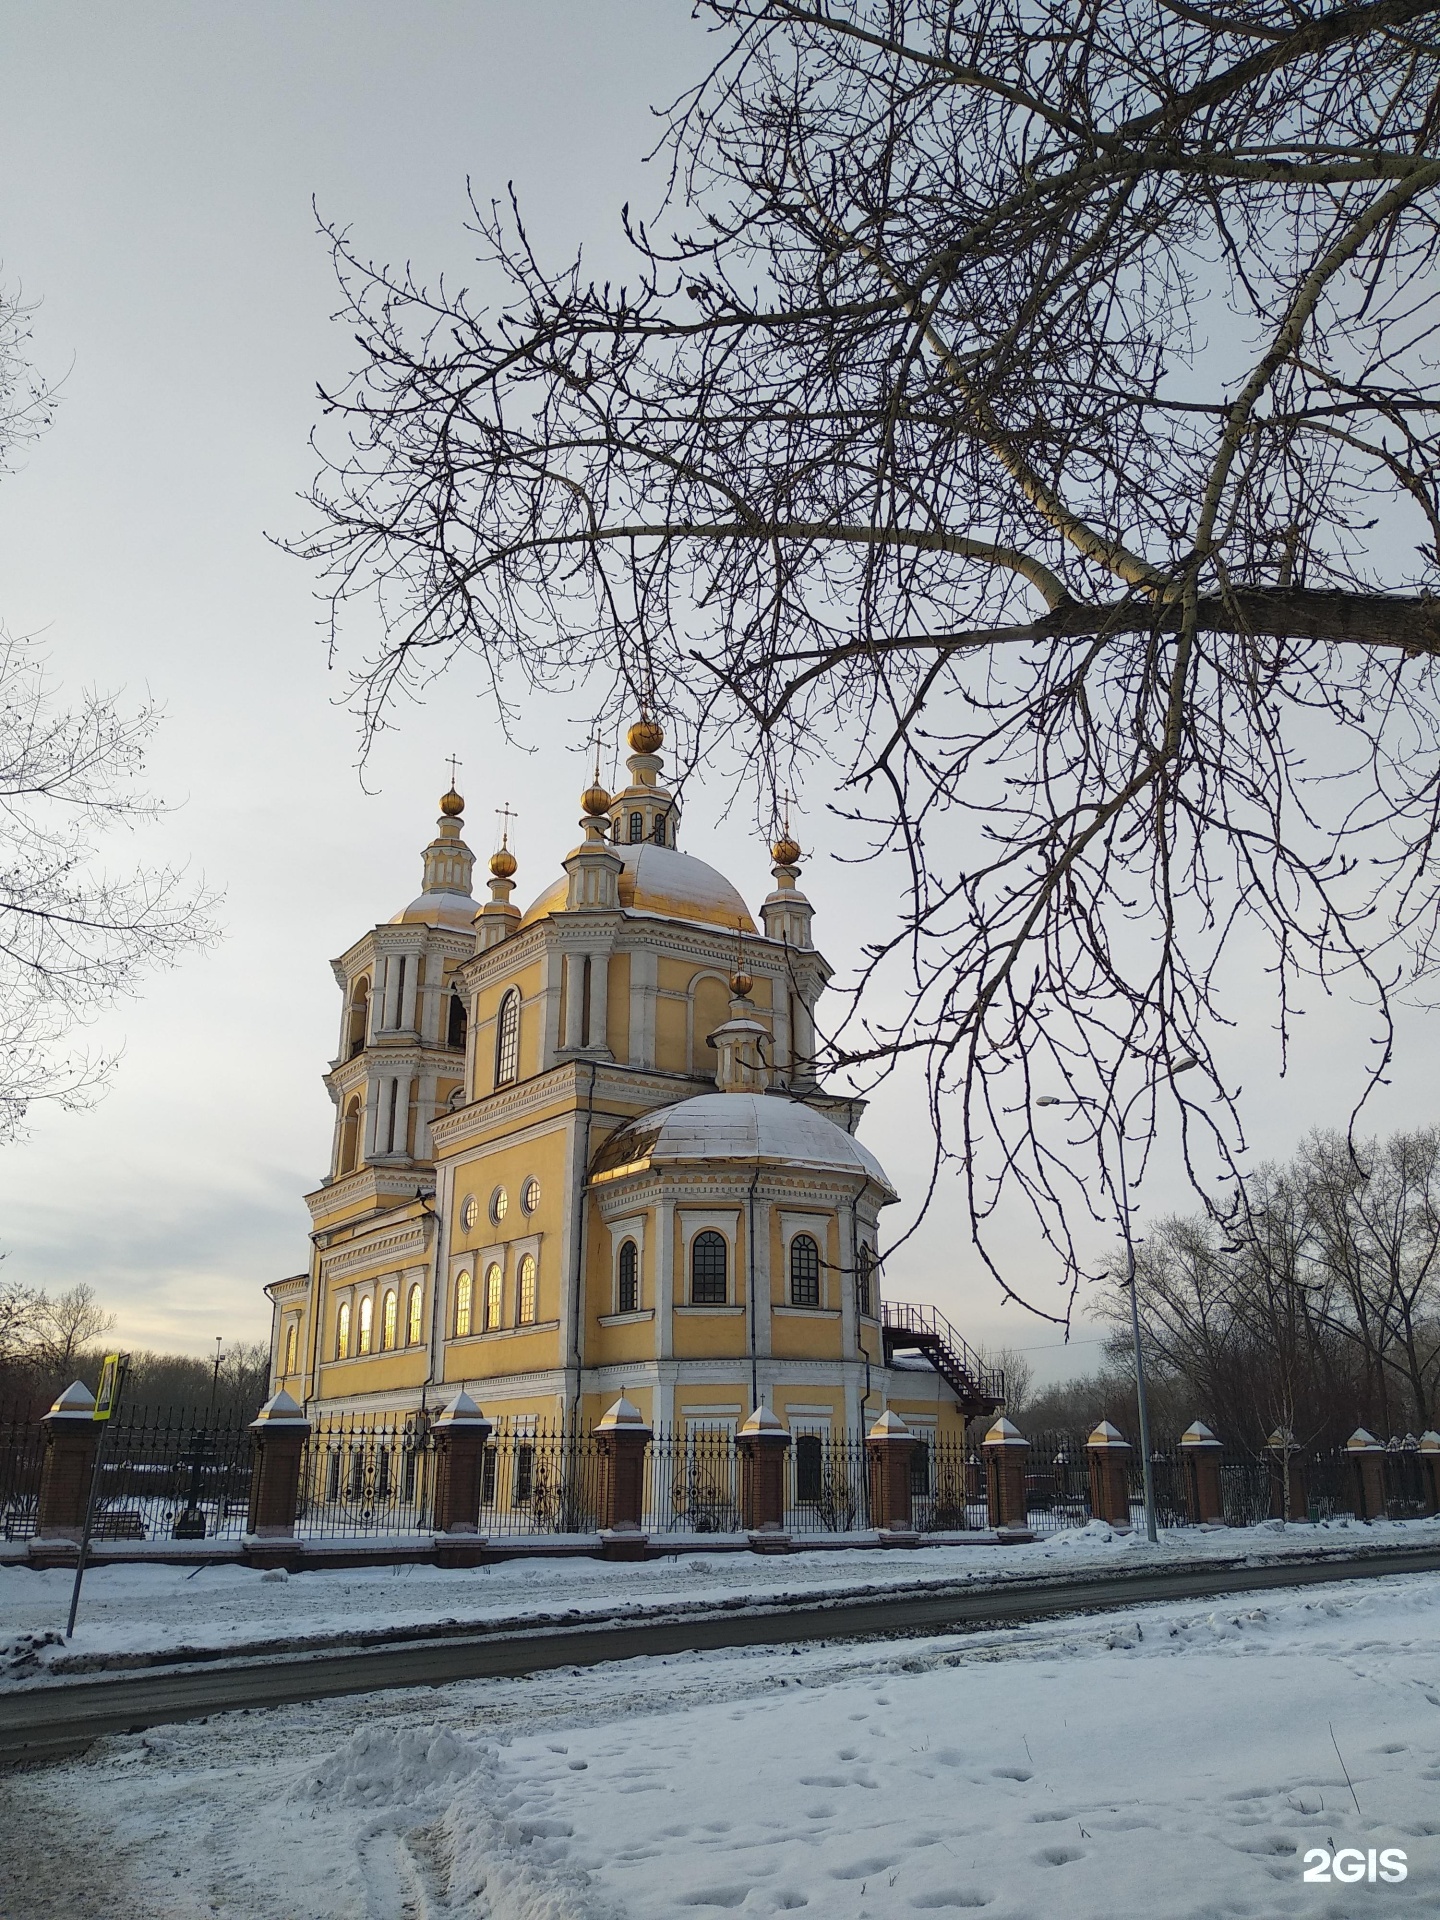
(71, 1436)
(1289, 1491)
(1007, 1452)
(762, 1444)
(278, 1432)
(460, 1435)
(890, 1449)
(1200, 1455)
(621, 1439)
(1108, 1452)
(1367, 1474)
(1430, 1470)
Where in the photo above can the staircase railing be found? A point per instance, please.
(933, 1330)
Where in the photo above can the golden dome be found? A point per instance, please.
(502, 864)
(740, 984)
(785, 851)
(660, 881)
(646, 736)
(595, 801)
(451, 804)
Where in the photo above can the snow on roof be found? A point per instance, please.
(438, 910)
(741, 1126)
(662, 883)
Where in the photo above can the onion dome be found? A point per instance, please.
(502, 864)
(595, 801)
(785, 852)
(646, 736)
(740, 984)
(452, 805)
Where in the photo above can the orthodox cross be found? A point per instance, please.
(505, 816)
(452, 763)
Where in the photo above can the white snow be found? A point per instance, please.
(139, 1607)
(1174, 1763)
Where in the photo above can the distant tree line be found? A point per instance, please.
(1315, 1308)
(47, 1340)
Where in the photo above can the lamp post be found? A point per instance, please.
(1142, 1403)
(215, 1380)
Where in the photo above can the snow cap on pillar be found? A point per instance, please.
(1362, 1442)
(890, 1427)
(1005, 1433)
(75, 1403)
(281, 1411)
(1430, 1441)
(763, 1420)
(624, 1414)
(460, 1410)
(1107, 1436)
(1197, 1434)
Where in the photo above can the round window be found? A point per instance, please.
(499, 1205)
(470, 1213)
(530, 1195)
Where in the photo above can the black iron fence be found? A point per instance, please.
(182, 1476)
(162, 1475)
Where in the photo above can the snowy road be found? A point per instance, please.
(39, 1721)
(1177, 1761)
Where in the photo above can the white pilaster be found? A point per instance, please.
(574, 997)
(664, 1257)
(599, 998)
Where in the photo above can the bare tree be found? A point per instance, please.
(1320, 1311)
(66, 1326)
(73, 937)
(1029, 405)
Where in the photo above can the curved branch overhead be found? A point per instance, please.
(1031, 406)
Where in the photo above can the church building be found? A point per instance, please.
(582, 1152)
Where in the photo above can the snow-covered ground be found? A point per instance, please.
(140, 1608)
(1174, 1763)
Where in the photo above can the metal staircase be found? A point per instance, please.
(910, 1328)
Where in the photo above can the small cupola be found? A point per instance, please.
(743, 1044)
(449, 867)
(786, 913)
(644, 811)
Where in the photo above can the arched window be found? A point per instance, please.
(804, 1271)
(637, 828)
(865, 1284)
(526, 1296)
(413, 1311)
(707, 1269)
(809, 1467)
(290, 1336)
(464, 1297)
(709, 1009)
(657, 832)
(389, 1320)
(494, 1296)
(507, 1039)
(456, 1023)
(350, 1137)
(342, 1331)
(628, 1291)
(367, 1319)
(358, 1019)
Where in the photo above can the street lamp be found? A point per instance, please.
(1142, 1403)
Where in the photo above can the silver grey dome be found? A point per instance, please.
(743, 1127)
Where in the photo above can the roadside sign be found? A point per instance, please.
(108, 1391)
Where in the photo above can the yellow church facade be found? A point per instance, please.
(581, 1152)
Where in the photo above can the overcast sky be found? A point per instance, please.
(159, 164)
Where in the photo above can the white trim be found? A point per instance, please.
(625, 1319)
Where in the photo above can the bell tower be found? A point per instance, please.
(403, 1030)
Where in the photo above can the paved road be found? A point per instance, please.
(48, 1722)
